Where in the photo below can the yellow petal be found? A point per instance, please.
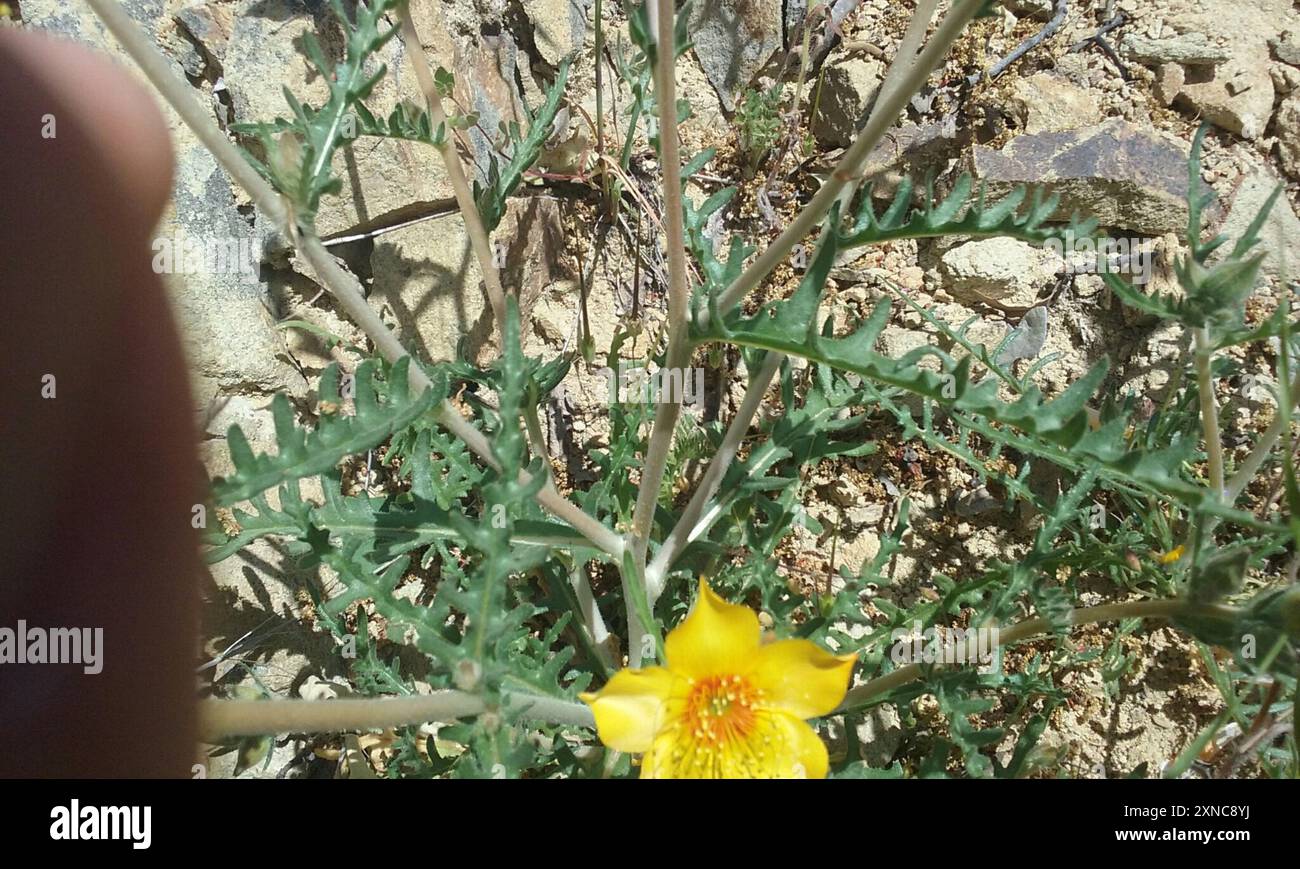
(802, 754)
(799, 677)
(715, 638)
(630, 708)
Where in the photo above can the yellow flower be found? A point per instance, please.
(727, 705)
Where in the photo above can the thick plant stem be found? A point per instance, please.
(1204, 353)
(591, 617)
(687, 528)
(342, 286)
(222, 719)
(666, 411)
(678, 356)
(1029, 628)
(850, 165)
(478, 237)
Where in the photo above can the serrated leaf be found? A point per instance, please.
(306, 454)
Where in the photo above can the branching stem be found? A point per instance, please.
(687, 527)
(850, 165)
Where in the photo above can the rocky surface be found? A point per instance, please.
(1125, 176)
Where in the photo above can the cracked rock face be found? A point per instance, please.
(1124, 176)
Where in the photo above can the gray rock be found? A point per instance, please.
(1169, 83)
(1185, 48)
(846, 90)
(1124, 176)
(1279, 238)
(1048, 103)
(734, 39)
(227, 326)
(1239, 98)
(1286, 48)
(428, 280)
(1027, 339)
(1286, 78)
(910, 149)
(880, 734)
(559, 27)
(209, 25)
(185, 52)
(1286, 126)
(383, 180)
(1003, 272)
(486, 75)
(261, 59)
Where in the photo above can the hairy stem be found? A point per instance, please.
(1209, 410)
(221, 719)
(342, 286)
(1032, 627)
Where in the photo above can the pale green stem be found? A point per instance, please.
(222, 719)
(899, 70)
(1246, 471)
(688, 526)
(478, 236)
(1204, 354)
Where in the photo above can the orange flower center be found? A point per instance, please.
(720, 709)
